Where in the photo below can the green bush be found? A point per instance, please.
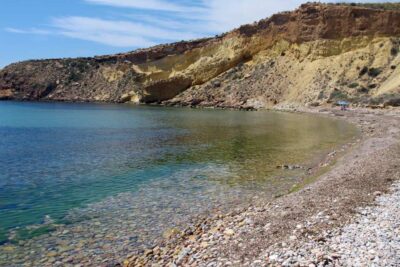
(338, 95)
(394, 102)
(321, 95)
(353, 85)
(394, 51)
(392, 99)
(373, 72)
(363, 71)
(363, 90)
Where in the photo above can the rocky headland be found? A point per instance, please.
(317, 54)
(304, 60)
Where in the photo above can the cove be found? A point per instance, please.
(140, 170)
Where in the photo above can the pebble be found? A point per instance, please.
(229, 232)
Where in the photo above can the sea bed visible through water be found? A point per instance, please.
(90, 183)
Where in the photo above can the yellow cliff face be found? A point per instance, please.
(303, 73)
(319, 72)
(322, 66)
(340, 65)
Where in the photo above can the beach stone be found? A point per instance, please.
(229, 232)
(273, 258)
(169, 233)
(204, 244)
(8, 248)
(52, 254)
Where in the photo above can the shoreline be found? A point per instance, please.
(327, 202)
(108, 234)
(270, 232)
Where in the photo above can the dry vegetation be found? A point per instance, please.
(383, 6)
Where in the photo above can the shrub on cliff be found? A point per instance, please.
(394, 51)
(338, 95)
(363, 71)
(374, 72)
(384, 6)
(386, 100)
(353, 85)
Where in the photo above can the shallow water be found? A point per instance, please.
(90, 171)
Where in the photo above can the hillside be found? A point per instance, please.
(314, 55)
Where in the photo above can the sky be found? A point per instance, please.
(36, 29)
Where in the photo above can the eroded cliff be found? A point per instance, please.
(314, 55)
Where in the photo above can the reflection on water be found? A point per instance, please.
(142, 169)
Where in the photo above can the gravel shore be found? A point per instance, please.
(372, 239)
(348, 217)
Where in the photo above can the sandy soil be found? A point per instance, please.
(354, 176)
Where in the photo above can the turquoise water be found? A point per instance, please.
(57, 157)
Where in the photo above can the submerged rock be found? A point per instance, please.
(289, 167)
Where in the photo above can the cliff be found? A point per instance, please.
(314, 55)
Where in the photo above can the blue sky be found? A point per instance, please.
(34, 29)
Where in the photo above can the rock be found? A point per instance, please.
(51, 254)
(203, 244)
(8, 248)
(273, 258)
(377, 193)
(216, 83)
(62, 249)
(289, 167)
(65, 232)
(172, 232)
(148, 252)
(6, 94)
(48, 220)
(125, 98)
(229, 232)
(182, 255)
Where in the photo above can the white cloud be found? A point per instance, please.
(147, 4)
(28, 31)
(224, 15)
(186, 19)
(116, 33)
(206, 16)
(217, 15)
(111, 39)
